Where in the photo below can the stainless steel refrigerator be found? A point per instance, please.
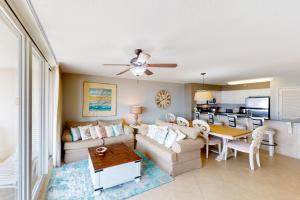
(258, 106)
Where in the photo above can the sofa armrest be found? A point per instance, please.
(128, 130)
(188, 145)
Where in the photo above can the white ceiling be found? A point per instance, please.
(9, 47)
(230, 40)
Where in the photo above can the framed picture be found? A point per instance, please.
(99, 99)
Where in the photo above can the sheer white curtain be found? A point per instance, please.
(57, 121)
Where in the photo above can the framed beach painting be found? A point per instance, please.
(99, 99)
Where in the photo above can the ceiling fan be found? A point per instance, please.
(139, 66)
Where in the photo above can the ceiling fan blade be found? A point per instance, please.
(148, 72)
(117, 65)
(122, 72)
(163, 65)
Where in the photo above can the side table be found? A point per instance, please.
(135, 131)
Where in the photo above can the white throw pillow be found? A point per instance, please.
(180, 135)
(75, 134)
(109, 131)
(85, 132)
(161, 134)
(171, 138)
(93, 132)
(118, 129)
(151, 131)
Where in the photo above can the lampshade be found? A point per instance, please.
(203, 95)
(138, 71)
(136, 109)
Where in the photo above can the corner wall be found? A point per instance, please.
(129, 92)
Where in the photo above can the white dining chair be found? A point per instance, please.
(213, 120)
(182, 122)
(250, 148)
(210, 140)
(170, 117)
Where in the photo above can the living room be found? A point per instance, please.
(144, 100)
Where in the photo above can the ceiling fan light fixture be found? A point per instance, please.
(138, 71)
(142, 58)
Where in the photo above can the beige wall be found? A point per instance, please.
(129, 92)
(8, 112)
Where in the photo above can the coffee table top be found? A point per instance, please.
(116, 154)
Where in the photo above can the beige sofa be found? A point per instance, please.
(78, 150)
(183, 156)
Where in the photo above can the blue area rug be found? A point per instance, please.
(73, 181)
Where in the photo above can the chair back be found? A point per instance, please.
(211, 118)
(205, 128)
(232, 120)
(170, 117)
(257, 138)
(182, 122)
(257, 122)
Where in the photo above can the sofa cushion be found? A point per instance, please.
(93, 131)
(158, 149)
(118, 139)
(110, 122)
(159, 122)
(83, 144)
(70, 124)
(188, 145)
(191, 132)
(180, 135)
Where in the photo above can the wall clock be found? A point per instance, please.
(163, 99)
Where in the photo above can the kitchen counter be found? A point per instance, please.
(225, 114)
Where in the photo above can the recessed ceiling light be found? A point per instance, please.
(258, 80)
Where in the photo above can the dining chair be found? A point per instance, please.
(213, 120)
(250, 148)
(258, 122)
(210, 140)
(170, 117)
(182, 122)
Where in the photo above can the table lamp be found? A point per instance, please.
(136, 110)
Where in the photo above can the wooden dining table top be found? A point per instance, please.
(228, 131)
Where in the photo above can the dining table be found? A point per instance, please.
(227, 133)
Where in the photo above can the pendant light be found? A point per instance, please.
(203, 95)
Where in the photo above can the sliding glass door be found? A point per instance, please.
(37, 119)
(10, 108)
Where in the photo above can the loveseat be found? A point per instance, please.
(78, 150)
(183, 156)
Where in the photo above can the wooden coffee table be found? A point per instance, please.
(119, 165)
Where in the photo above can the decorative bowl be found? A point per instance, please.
(100, 151)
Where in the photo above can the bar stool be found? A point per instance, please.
(258, 122)
(232, 122)
(212, 120)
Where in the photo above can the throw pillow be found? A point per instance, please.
(75, 134)
(67, 137)
(161, 134)
(109, 131)
(118, 129)
(85, 132)
(180, 135)
(101, 131)
(151, 131)
(170, 139)
(93, 132)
